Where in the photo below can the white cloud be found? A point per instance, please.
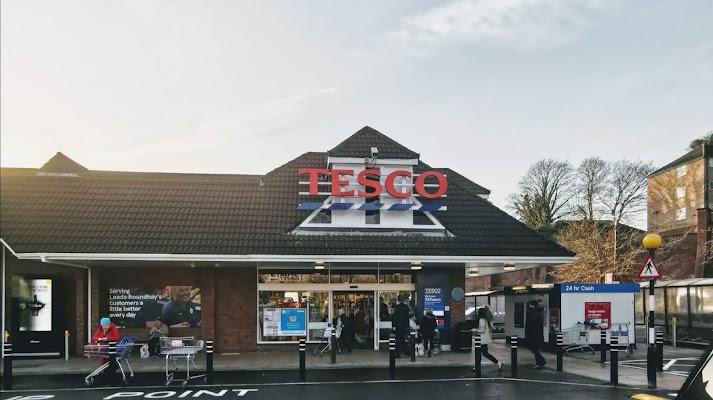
(523, 23)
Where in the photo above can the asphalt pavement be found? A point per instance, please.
(414, 383)
(463, 388)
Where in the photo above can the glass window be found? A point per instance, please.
(395, 277)
(677, 298)
(316, 303)
(639, 308)
(365, 277)
(702, 306)
(323, 217)
(316, 277)
(420, 218)
(389, 299)
(659, 309)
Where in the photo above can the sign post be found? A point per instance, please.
(650, 271)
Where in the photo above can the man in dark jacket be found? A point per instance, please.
(401, 318)
(534, 337)
(428, 327)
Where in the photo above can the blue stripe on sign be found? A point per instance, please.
(371, 206)
(310, 206)
(341, 206)
(430, 207)
(400, 207)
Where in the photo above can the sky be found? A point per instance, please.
(485, 87)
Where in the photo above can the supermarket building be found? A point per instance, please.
(251, 261)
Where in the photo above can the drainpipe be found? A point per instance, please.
(4, 315)
(89, 288)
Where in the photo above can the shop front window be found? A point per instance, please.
(387, 303)
(293, 278)
(702, 306)
(395, 277)
(315, 305)
(366, 277)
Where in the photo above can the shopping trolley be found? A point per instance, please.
(325, 343)
(621, 332)
(181, 348)
(577, 338)
(123, 351)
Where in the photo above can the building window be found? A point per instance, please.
(680, 193)
(680, 214)
(681, 171)
(323, 217)
(316, 305)
(420, 218)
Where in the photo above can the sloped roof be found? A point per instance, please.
(691, 156)
(155, 213)
(60, 163)
(360, 144)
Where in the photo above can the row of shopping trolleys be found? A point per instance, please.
(578, 337)
(173, 348)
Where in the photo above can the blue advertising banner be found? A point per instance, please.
(433, 298)
(293, 322)
(599, 288)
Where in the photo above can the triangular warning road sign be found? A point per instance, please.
(649, 270)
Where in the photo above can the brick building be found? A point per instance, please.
(251, 261)
(679, 203)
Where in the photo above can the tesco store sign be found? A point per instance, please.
(338, 182)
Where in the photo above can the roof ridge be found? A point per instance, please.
(390, 148)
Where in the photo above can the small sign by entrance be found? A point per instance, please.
(649, 270)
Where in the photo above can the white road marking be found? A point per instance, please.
(669, 364)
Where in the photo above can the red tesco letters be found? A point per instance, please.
(363, 179)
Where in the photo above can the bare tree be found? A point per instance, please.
(592, 175)
(626, 188)
(543, 193)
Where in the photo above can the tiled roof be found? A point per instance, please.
(360, 144)
(155, 213)
(60, 163)
(692, 155)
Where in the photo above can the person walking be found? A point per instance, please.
(534, 337)
(485, 329)
(344, 325)
(401, 323)
(428, 330)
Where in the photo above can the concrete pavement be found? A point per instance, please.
(578, 364)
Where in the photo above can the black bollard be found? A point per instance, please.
(7, 364)
(413, 346)
(478, 357)
(112, 375)
(603, 343)
(659, 350)
(209, 362)
(513, 356)
(303, 351)
(333, 343)
(392, 356)
(614, 361)
(560, 350)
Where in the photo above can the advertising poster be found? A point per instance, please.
(284, 322)
(433, 298)
(138, 307)
(597, 314)
(35, 305)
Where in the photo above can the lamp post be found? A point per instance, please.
(651, 242)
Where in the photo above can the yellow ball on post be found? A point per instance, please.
(652, 241)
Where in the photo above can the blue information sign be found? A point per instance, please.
(599, 288)
(293, 321)
(433, 298)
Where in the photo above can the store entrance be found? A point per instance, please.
(359, 308)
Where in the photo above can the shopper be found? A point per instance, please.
(347, 332)
(534, 337)
(485, 329)
(428, 330)
(107, 332)
(401, 323)
(156, 332)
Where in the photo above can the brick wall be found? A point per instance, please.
(457, 307)
(236, 310)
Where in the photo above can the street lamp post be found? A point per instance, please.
(651, 242)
